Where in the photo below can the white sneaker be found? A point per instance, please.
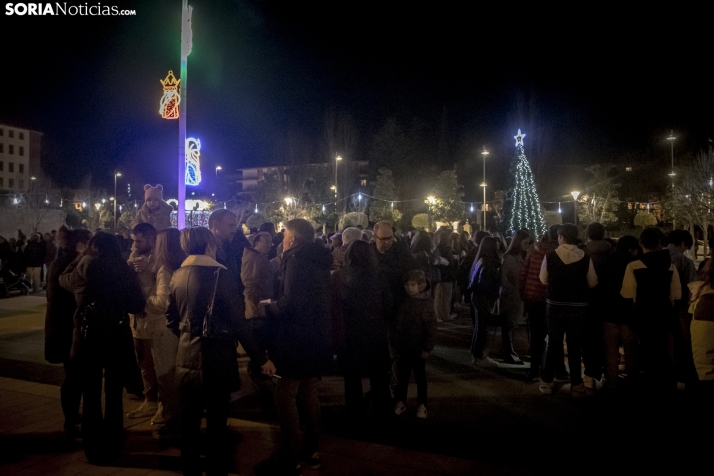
(400, 408)
(158, 418)
(146, 409)
(421, 411)
(546, 388)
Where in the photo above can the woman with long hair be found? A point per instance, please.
(484, 283)
(422, 249)
(169, 256)
(511, 305)
(106, 290)
(208, 316)
(361, 299)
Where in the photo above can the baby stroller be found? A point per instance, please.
(11, 282)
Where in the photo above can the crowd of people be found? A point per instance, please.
(28, 257)
(364, 303)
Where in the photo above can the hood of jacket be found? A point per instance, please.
(310, 252)
(252, 254)
(569, 253)
(659, 259)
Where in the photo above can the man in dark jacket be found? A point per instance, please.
(300, 346)
(394, 262)
(34, 260)
(231, 242)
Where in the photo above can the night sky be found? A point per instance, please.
(585, 86)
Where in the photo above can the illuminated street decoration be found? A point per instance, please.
(522, 207)
(193, 161)
(169, 108)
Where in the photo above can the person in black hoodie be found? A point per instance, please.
(300, 346)
(34, 260)
(616, 325)
(652, 283)
(59, 327)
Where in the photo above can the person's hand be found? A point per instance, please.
(424, 355)
(268, 368)
(141, 264)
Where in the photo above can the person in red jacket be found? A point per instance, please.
(533, 296)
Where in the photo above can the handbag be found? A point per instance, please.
(210, 330)
(93, 325)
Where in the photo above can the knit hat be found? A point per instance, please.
(154, 192)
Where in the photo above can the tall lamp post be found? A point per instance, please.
(217, 169)
(116, 174)
(337, 161)
(671, 139)
(575, 205)
(483, 184)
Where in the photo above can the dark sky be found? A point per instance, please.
(594, 85)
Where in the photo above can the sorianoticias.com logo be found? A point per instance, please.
(63, 9)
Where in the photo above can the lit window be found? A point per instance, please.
(11, 183)
(22, 150)
(10, 149)
(628, 169)
(22, 168)
(363, 182)
(10, 133)
(22, 137)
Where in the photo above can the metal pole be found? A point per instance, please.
(115, 201)
(185, 50)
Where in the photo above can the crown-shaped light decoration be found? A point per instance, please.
(169, 108)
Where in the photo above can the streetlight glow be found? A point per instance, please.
(575, 195)
(431, 199)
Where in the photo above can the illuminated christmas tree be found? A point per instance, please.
(521, 209)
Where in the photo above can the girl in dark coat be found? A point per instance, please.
(102, 281)
(361, 298)
(484, 282)
(59, 327)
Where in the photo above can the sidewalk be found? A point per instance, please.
(33, 443)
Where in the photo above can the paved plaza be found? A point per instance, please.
(481, 421)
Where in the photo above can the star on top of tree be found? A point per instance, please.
(519, 138)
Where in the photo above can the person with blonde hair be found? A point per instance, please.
(208, 316)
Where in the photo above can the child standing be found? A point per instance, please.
(414, 340)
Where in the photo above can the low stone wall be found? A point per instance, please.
(12, 219)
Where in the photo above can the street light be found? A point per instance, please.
(575, 205)
(671, 139)
(483, 184)
(217, 169)
(116, 174)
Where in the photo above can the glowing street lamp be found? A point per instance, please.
(217, 169)
(116, 174)
(575, 205)
(337, 160)
(483, 184)
(671, 139)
